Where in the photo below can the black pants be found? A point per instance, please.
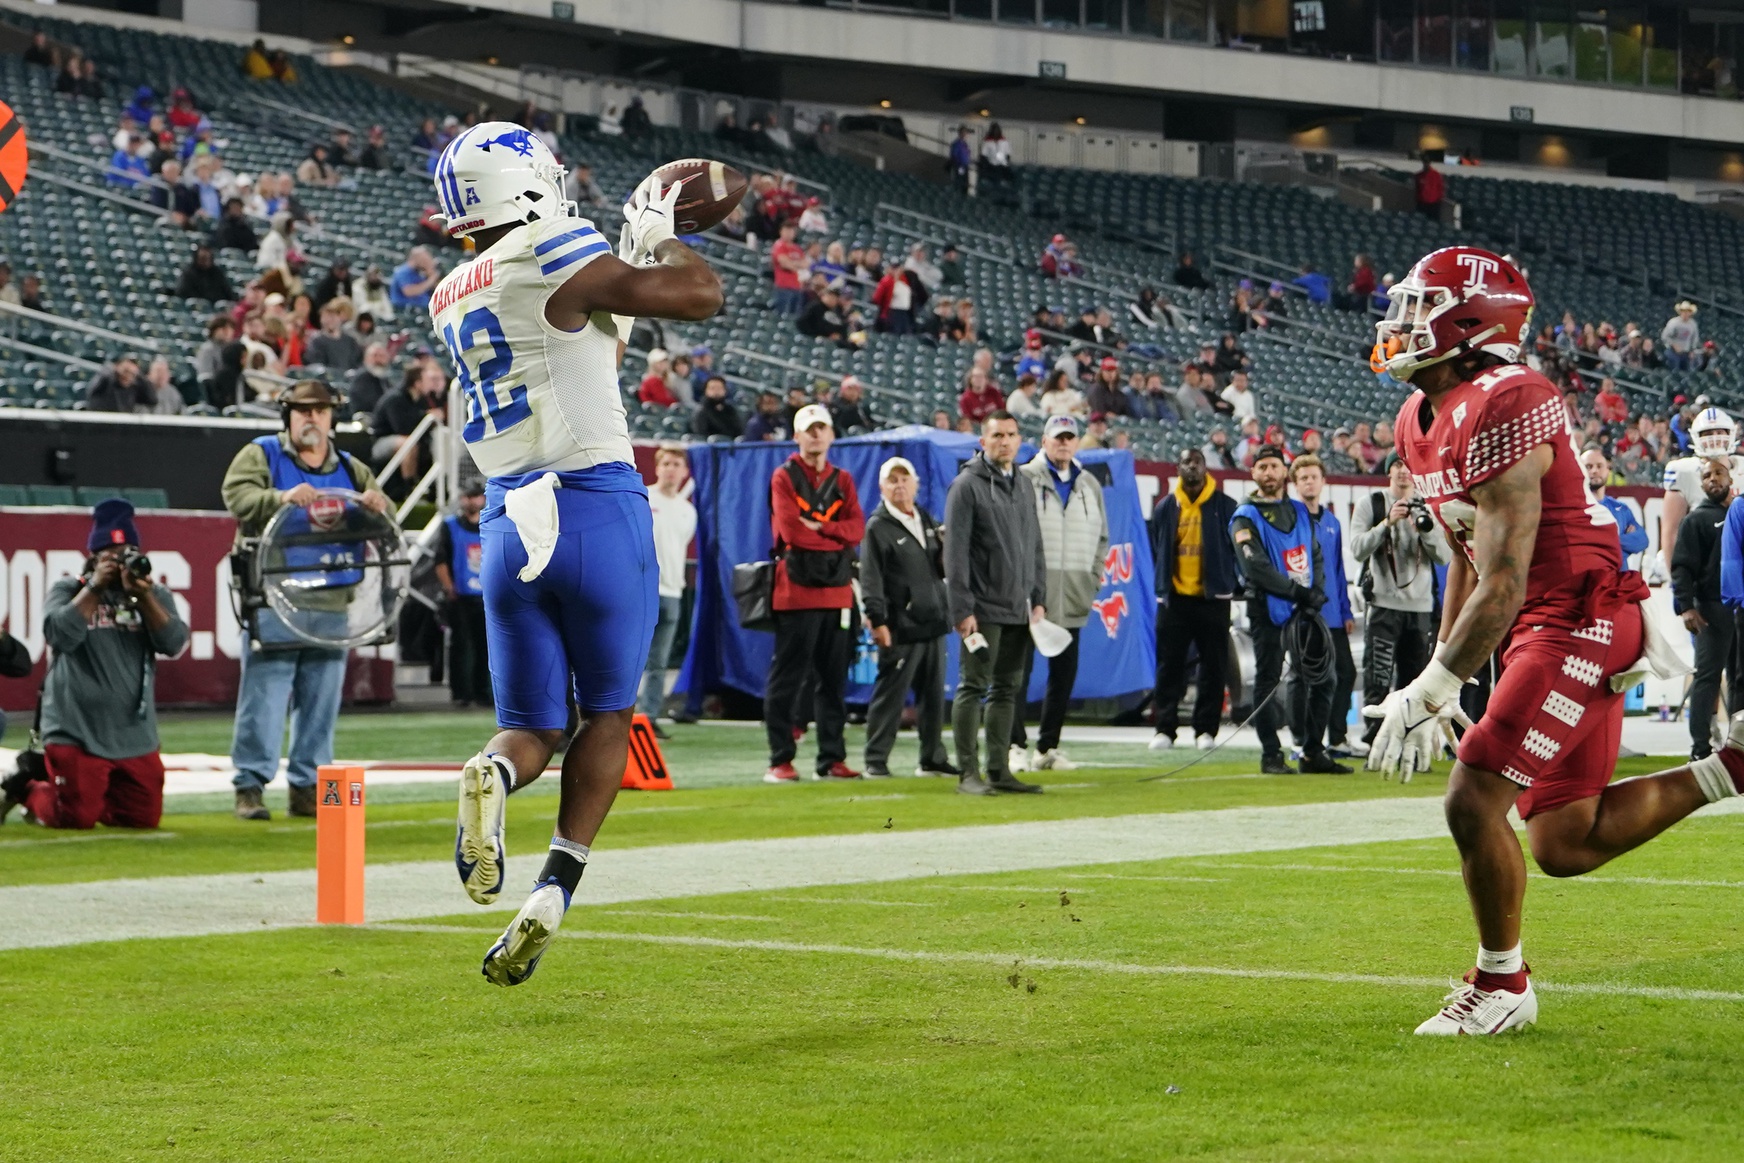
(1309, 704)
(1396, 648)
(987, 679)
(810, 643)
(1062, 674)
(1713, 655)
(1338, 711)
(469, 679)
(902, 667)
(1192, 622)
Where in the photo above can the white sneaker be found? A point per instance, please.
(516, 954)
(1470, 1010)
(478, 836)
(1205, 742)
(1162, 742)
(1357, 748)
(1018, 759)
(1054, 760)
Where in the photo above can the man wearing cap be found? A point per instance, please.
(849, 413)
(1681, 339)
(1033, 361)
(902, 583)
(99, 720)
(1399, 546)
(1282, 560)
(1196, 580)
(1074, 529)
(459, 556)
(289, 468)
(120, 389)
(997, 580)
(815, 514)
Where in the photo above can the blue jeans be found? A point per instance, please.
(789, 301)
(654, 677)
(308, 682)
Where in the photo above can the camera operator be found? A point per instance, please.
(289, 469)
(1399, 545)
(99, 721)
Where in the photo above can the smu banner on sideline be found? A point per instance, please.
(190, 557)
(1118, 654)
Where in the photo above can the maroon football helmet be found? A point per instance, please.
(1455, 300)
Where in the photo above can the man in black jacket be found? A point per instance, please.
(204, 279)
(715, 414)
(1695, 595)
(997, 579)
(902, 587)
(1196, 582)
(233, 231)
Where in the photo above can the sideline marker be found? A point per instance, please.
(646, 769)
(339, 846)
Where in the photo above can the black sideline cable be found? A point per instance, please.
(1308, 643)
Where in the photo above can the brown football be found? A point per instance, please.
(711, 190)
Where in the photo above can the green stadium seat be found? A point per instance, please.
(52, 495)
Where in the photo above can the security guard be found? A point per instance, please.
(289, 468)
(1281, 558)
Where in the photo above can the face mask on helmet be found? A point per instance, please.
(1714, 435)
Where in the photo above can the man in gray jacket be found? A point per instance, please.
(1399, 545)
(1074, 525)
(996, 579)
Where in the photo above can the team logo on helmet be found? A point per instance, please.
(1478, 267)
(518, 141)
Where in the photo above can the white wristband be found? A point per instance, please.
(1438, 685)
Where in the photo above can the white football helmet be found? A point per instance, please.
(1713, 434)
(498, 174)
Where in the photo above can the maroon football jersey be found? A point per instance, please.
(1482, 429)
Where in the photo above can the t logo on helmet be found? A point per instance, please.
(1478, 267)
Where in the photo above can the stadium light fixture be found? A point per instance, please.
(884, 104)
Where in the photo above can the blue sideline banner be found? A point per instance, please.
(1118, 651)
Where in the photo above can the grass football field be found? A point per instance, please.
(1246, 991)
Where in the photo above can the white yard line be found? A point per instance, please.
(37, 916)
(1597, 878)
(1022, 963)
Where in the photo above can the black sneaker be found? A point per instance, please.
(1276, 765)
(659, 731)
(876, 771)
(974, 785)
(1323, 764)
(13, 789)
(942, 767)
(1011, 785)
(684, 716)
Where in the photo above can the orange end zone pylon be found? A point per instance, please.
(339, 846)
(646, 769)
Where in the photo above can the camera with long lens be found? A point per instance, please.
(1421, 517)
(135, 562)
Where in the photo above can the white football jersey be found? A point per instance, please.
(537, 398)
(1684, 475)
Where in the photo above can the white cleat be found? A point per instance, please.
(1162, 742)
(1470, 1010)
(478, 837)
(1054, 760)
(1205, 742)
(1018, 759)
(516, 954)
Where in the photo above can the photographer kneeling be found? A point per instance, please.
(1399, 544)
(99, 721)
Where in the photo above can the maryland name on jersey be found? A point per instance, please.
(537, 398)
(1482, 429)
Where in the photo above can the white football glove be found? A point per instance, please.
(1414, 721)
(650, 215)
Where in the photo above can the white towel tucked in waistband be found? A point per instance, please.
(1665, 647)
(533, 509)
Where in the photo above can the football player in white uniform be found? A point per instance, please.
(534, 325)
(1712, 435)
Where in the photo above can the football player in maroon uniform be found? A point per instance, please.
(1488, 444)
